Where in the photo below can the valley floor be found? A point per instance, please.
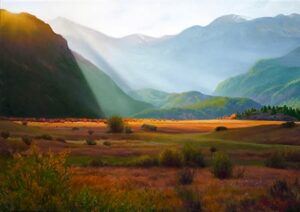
(125, 181)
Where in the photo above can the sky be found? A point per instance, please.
(151, 17)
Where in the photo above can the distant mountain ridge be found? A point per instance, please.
(211, 108)
(201, 56)
(190, 105)
(271, 81)
(39, 76)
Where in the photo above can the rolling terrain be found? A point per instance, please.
(270, 81)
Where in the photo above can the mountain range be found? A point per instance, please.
(198, 58)
(40, 76)
(211, 108)
(270, 81)
(190, 105)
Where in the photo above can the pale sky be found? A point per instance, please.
(151, 17)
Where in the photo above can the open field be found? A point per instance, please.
(248, 144)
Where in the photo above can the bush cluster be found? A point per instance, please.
(222, 166)
(5, 135)
(221, 128)
(146, 161)
(107, 143)
(186, 176)
(192, 156)
(45, 137)
(171, 158)
(96, 163)
(191, 199)
(90, 142)
(188, 156)
(27, 140)
(289, 124)
(149, 127)
(115, 124)
(276, 160)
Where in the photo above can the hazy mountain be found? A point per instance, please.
(109, 96)
(272, 81)
(161, 99)
(196, 59)
(184, 99)
(214, 107)
(151, 96)
(39, 76)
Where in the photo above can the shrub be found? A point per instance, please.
(149, 127)
(96, 163)
(221, 128)
(115, 124)
(107, 143)
(146, 161)
(38, 182)
(280, 189)
(185, 176)
(90, 142)
(75, 128)
(192, 157)
(276, 160)
(27, 140)
(90, 132)
(35, 183)
(190, 198)
(128, 130)
(288, 194)
(170, 158)
(61, 140)
(289, 124)
(212, 149)
(222, 166)
(24, 123)
(45, 137)
(292, 156)
(5, 135)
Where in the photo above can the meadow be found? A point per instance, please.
(133, 171)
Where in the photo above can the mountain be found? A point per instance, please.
(214, 107)
(151, 96)
(161, 99)
(39, 76)
(198, 58)
(184, 99)
(272, 81)
(109, 96)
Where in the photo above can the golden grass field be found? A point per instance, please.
(248, 143)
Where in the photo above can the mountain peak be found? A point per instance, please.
(138, 38)
(228, 19)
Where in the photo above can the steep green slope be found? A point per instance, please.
(214, 107)
(39, 76)
(164, 100)
(110, 97)
(184, 99)
(152, 96)
(273, 81)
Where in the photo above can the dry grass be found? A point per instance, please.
(214, 192)
(167, 126)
